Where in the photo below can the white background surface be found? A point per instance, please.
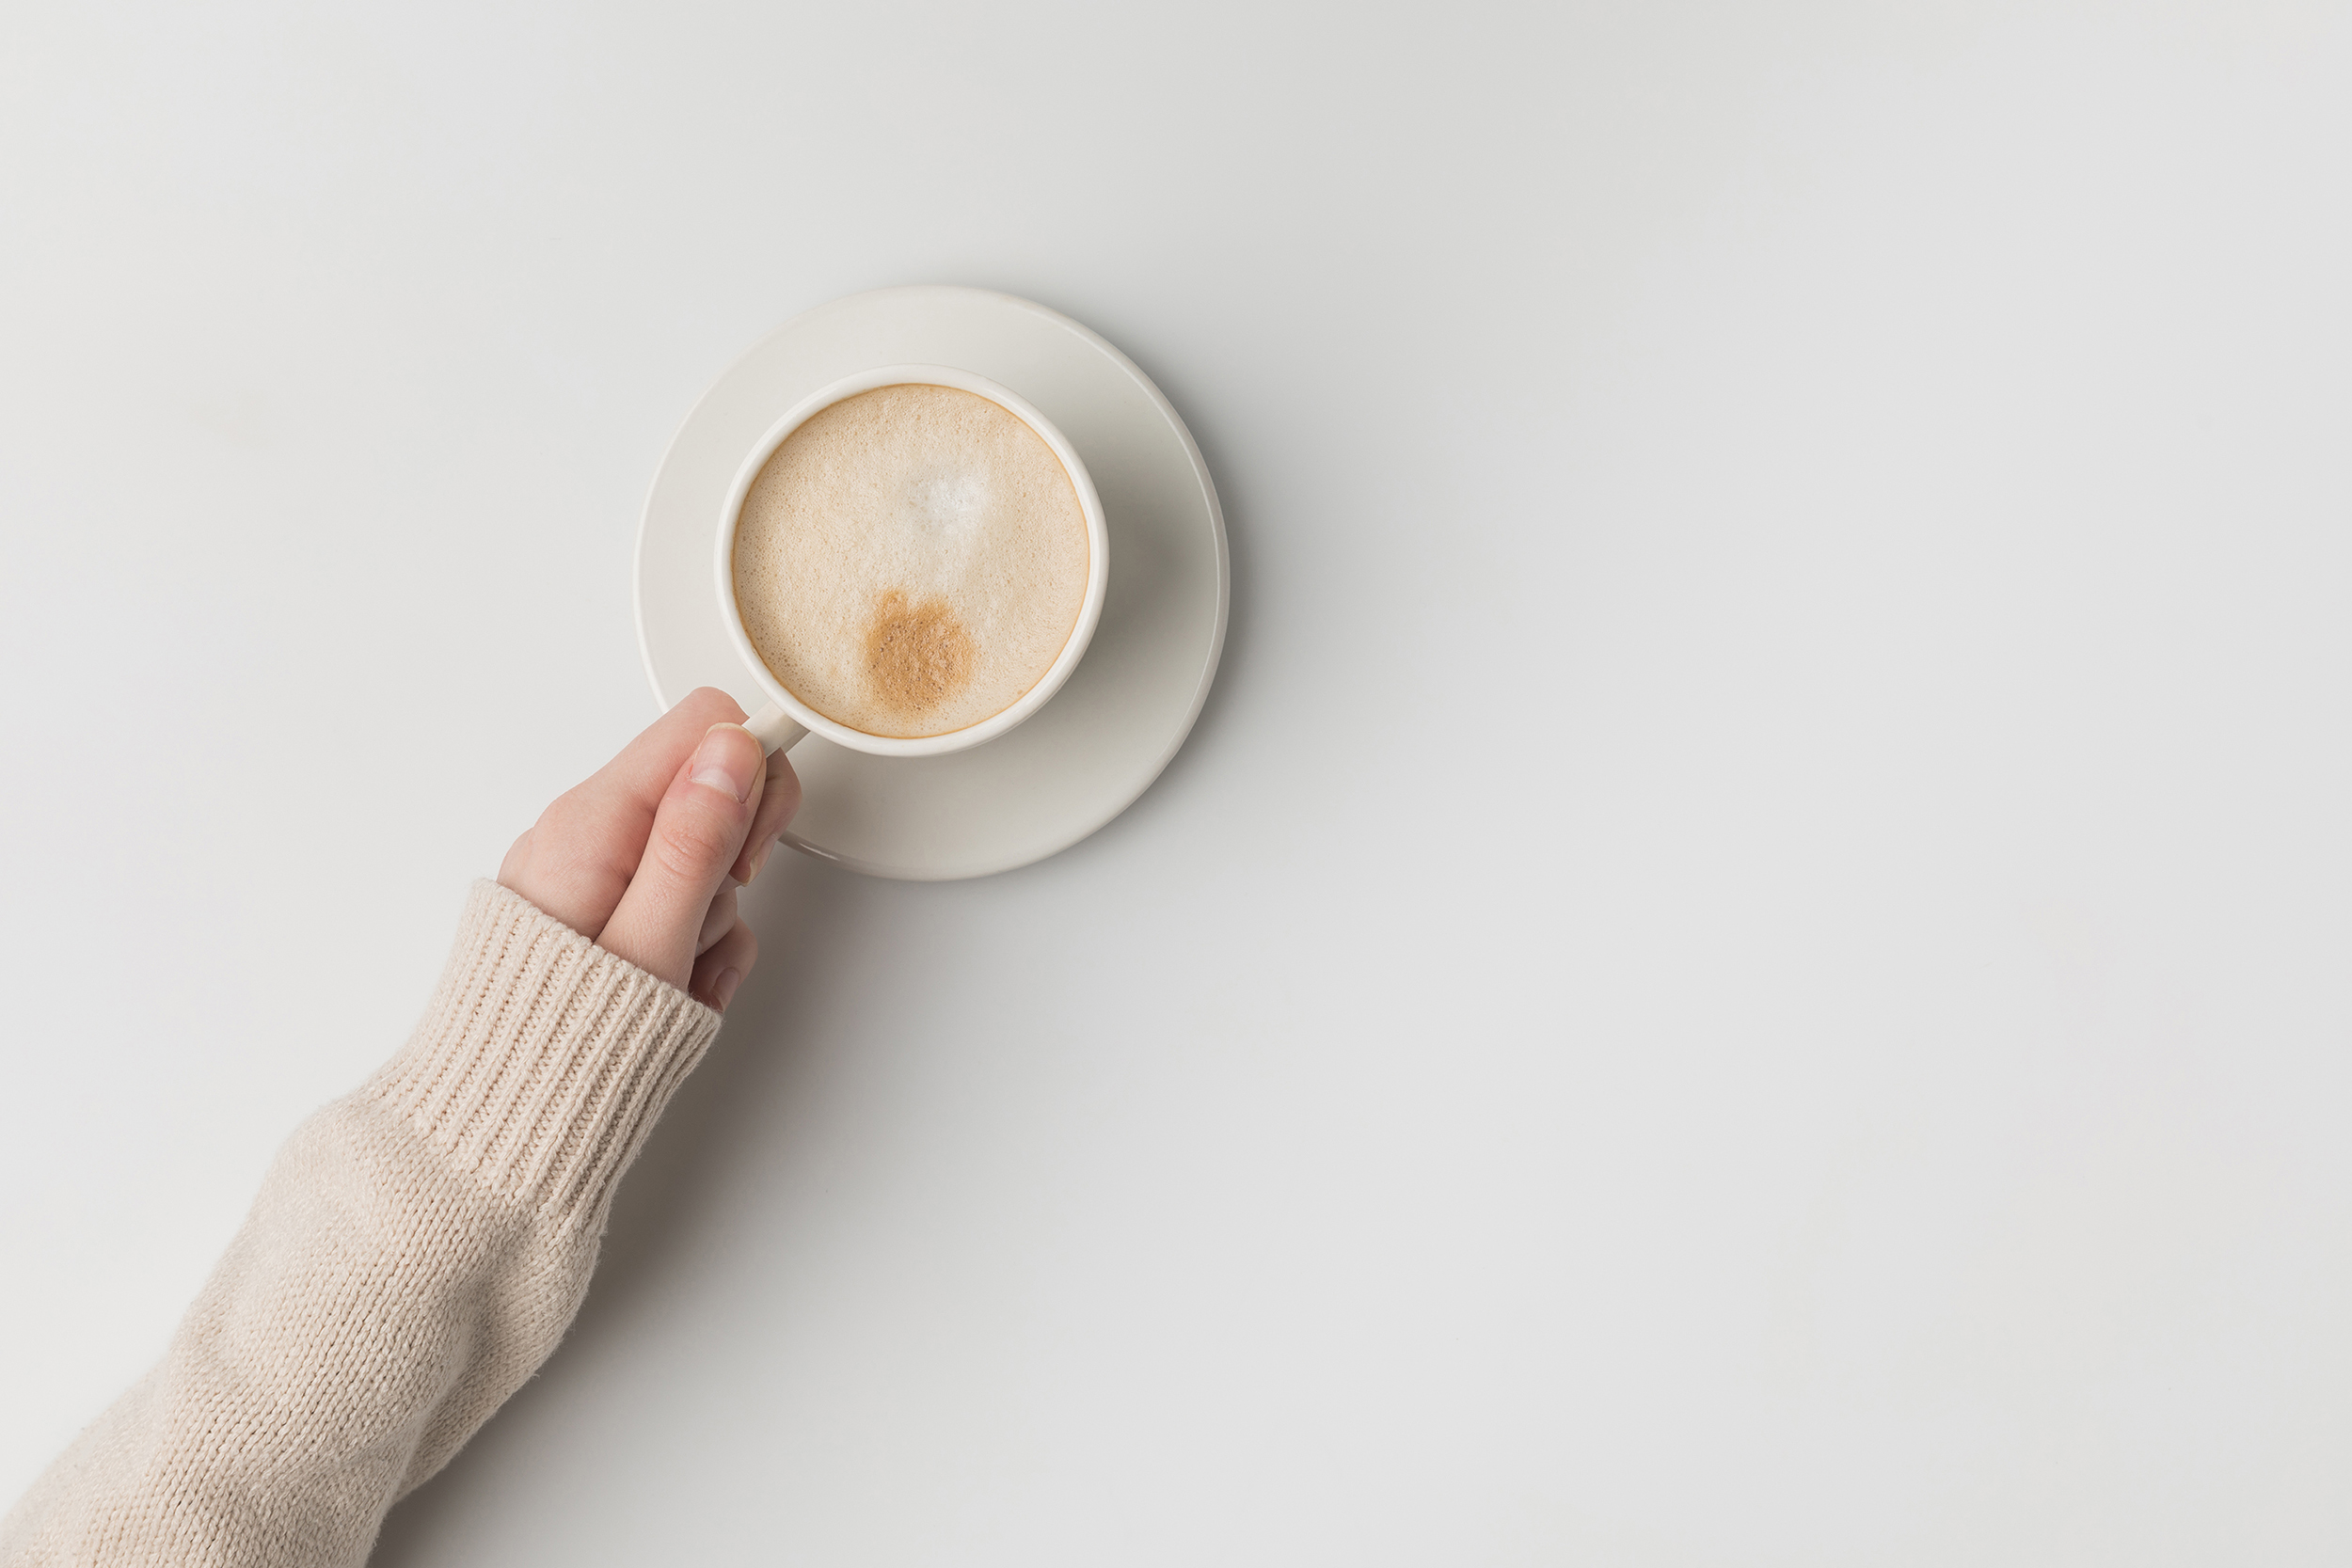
(1746, 966)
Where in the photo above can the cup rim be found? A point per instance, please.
(1090, 610)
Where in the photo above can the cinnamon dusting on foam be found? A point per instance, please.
(917, 655)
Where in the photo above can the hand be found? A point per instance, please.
(644, 857)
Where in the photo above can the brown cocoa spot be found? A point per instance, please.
(917, 655)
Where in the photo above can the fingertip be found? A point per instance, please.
(779, 798)
(711, 706)
(719, 971)
(729, 759)
(784, 786)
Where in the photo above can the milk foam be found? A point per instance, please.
(911, 561)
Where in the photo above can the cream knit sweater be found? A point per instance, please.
(414, 1253)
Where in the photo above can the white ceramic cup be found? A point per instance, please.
(781, 724)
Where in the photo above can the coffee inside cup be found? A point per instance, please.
(911, 561)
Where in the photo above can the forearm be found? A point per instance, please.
(416, 1251)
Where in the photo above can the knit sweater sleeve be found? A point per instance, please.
(416, 1251)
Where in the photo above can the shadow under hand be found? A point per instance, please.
(807, 915)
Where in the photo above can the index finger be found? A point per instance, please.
(577, 861)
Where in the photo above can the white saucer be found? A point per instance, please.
(1106, 735)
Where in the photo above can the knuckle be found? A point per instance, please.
(568, 823)
(518, 857)
(585, 865)
(692, 844)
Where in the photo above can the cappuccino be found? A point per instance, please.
(911, 561)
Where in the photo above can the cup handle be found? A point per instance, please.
(774, 729)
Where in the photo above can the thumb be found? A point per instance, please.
(698, 829)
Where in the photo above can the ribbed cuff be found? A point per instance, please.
(543, 1060)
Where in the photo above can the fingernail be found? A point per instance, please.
(723, 989)
(755, 856)
(724, 762)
